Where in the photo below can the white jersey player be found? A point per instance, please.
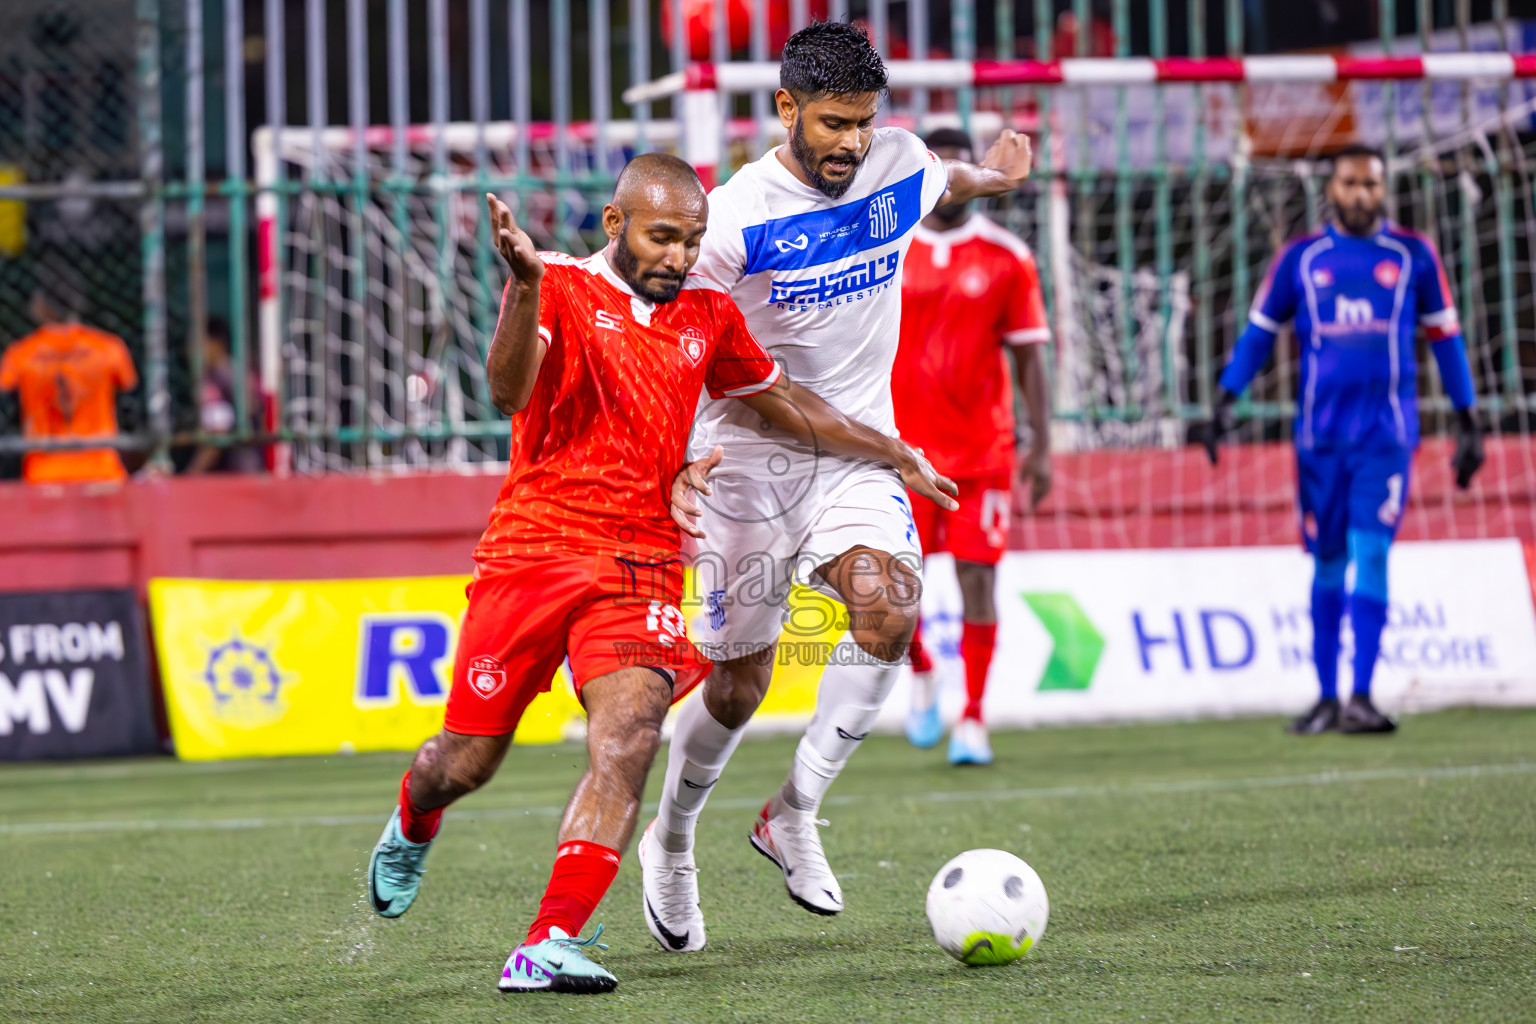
(809, 242)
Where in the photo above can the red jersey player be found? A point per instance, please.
(600, 361)
(969, 290)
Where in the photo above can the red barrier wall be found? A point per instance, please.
(1148, 498)
(230, 527)
(351, 527)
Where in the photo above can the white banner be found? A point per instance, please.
(1107, 635)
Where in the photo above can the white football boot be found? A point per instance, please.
(969, 743)
(669, 892)
(789, 838)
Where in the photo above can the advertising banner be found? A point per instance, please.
(270, 669)
(73, 681)
(1105, 635)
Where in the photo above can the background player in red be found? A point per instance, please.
(969, 290)
(601, 361)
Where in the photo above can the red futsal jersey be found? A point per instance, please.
(964, 294)
(594, 453)
(580, 561)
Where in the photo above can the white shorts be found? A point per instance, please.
(762, 535)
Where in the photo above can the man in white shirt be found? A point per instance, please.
(809, 242)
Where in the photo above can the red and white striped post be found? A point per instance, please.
(702, 84)
(749, 76)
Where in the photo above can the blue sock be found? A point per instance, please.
(1367, 616)
(1368, 602)
(1327, 613)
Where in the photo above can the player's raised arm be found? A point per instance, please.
(804, 415)
(1002, 170)
(516, 348)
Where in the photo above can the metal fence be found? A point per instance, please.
(310, 172)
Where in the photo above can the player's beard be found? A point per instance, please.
(658, 286)
(809, 163)
(1359, 220)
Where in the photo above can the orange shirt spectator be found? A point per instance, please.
(68, 376)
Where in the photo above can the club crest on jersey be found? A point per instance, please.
(1322, 277)
(883, 215)
(974, 283)
(693, 343)
(1386, 273)
(486, 676)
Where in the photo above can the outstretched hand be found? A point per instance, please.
(514, 245)
(1010, 155)
(694, 477)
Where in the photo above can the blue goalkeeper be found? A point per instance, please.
(1359, 290)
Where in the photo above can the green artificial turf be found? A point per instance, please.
(1205, 872)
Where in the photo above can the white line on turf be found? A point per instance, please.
(752, 803)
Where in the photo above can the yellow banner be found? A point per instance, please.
(267, 669)
(13, 214)
(273, 669)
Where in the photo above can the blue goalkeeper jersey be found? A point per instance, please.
(1357, 303)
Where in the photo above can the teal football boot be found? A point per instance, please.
(395, 869)
(558, 964)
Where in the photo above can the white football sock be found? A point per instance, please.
(847, 702)
(700, 748)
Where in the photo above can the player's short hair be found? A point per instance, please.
(830, 58)
(948, 138)
(1357, 149)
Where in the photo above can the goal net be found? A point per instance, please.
(385, 288)
(1153, 213)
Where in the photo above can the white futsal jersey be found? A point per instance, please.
(819, 282)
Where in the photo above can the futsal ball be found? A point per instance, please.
(987, 907)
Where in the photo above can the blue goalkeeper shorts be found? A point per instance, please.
(1350, 489)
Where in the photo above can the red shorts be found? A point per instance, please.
(529, 613)
(975, 532)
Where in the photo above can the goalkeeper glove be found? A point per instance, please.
(1209, 433)
(1469, 448)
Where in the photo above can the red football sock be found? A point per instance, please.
(416, 826)
(917, 654)
(583, 872)
(976, 643)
